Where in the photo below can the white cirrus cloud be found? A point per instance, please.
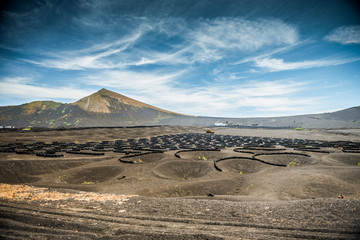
(21, 87)
(278, 64)
(212, 40)
(17, 80)
(244, 34)
(201, 41)
(93, 57)
(214, 36)
(125, 79)
(94, 61)
(166, 91)
(345, 35)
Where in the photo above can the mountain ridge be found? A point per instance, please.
(102, 108)
(101, 102)
(106, 108)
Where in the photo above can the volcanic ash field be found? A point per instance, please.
(231, 184)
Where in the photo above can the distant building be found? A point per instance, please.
(219, 124)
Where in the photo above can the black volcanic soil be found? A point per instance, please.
(315, 195)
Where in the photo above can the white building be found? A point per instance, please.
(219, 124)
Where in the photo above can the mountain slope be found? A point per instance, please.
(39, 114)
(105, 101)
(103, 108)
(106, 109)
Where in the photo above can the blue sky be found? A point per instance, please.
(209, 58)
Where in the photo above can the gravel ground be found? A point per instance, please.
(317, 198)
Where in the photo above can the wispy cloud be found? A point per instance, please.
(345, 35)
(201, 41)
(272, 98)
(95, 61)
(120, 65)
(246, 35)
(214, 39)
(272, 51)
(24, 88)
(214, 100)
(93, 57)
(166, 91)
(140, 81)
(276, 64)
(17, 80)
